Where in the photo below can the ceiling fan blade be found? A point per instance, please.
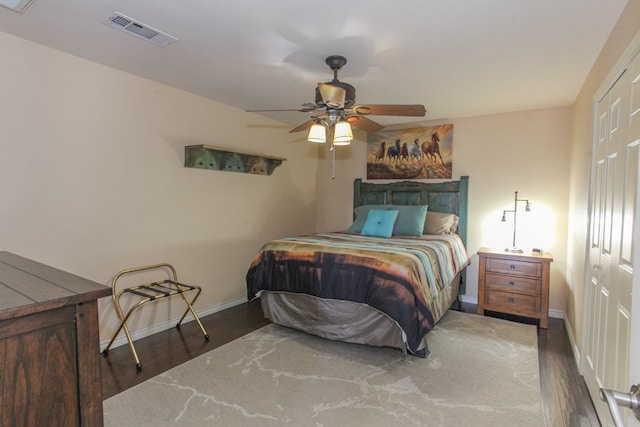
(361, 122)
(303, 110)
(332, 96)
(416, 110)
(304, 126)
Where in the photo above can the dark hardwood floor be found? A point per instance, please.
(565, 400)
(164, 350)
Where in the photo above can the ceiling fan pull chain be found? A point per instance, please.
(333, 161)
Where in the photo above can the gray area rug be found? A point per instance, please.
(481, 371)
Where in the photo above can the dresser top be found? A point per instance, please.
(526, 255)
(27, 287)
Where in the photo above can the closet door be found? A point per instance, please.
(608, 320)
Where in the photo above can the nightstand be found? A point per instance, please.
(514, 283)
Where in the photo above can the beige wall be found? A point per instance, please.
(91, 166)
(93, 181)
(599, 78)
(525, 151)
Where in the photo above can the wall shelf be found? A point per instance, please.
(214, 158)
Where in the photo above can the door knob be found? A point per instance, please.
(627, 400)
(596, 266)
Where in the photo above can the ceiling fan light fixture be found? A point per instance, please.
(342, 133)
(317, 133)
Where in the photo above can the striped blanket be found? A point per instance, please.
(399, 276)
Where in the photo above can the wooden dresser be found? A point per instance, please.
(49, 346)
(514, 283)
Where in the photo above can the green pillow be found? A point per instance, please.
(361, 216)
(379, 223)
(410, 220)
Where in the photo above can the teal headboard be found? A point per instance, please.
(450, 197)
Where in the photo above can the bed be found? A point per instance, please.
(367, 284)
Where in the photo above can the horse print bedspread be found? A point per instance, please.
(397, 276)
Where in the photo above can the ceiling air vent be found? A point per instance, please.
(16, 5)
(139, 29)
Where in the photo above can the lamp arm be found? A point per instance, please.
(515, 218)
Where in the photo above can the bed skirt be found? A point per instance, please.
(346, 320)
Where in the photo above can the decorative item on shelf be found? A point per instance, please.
(208, 157)
(527, 208)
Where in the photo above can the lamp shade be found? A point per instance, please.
(317, 133)
(342, 133)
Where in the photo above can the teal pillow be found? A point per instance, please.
(410, 220)
(361, 216)
(379, 223)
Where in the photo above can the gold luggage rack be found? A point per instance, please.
(151, 292)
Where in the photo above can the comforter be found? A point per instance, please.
(400, 277)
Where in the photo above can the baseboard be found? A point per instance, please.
(163, 326)
(556, 314)
(574, 347)
(469, 299)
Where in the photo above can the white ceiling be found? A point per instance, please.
(459, 58)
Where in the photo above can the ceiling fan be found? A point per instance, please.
(335, 104)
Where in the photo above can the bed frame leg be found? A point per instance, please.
(461, 287)
(426, 348)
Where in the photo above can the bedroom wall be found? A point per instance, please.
(93, 181)
(626, 30)
(524, 151)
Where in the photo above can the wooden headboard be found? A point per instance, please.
(450, 197)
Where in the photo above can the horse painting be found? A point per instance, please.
(421, 152)
(393, 152)
(380, 151)
(430, 149)
(404, 153)
(415, 152)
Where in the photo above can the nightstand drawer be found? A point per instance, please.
(511, 267)
(516, 284)
(512, 303)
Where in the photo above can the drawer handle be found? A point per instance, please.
(511, 300)
(513, 267)
(512, 284)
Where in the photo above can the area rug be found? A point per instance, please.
(481, 371)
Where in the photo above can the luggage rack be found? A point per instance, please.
(151, 292)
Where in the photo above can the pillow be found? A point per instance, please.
(441, 223)
(379, 223)
(361, 216)
(410, 220)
